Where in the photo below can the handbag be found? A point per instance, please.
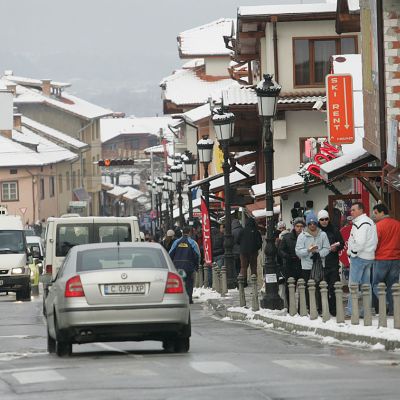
(317, 269)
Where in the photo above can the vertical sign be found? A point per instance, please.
(339, 107)
(205, 219)
(391, 149)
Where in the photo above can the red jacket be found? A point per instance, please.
(388, 230)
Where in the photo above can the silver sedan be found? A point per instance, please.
(117, 292)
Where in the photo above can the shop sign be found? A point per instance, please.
(339, 107)
(205, 219)
(327, 152)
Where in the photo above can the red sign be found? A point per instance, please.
(205, 220)
(343, 257)
(326, 153)
(339, 107)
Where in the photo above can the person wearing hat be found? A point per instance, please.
(311, 244)
(291, 267)
(331, 272)
(168, 240)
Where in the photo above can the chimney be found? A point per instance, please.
(17, 121)
(46, 87)
(6, 133)
(12, 87)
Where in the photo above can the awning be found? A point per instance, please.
(347, 162)
(81, 194)
(258, 209)
(393, 178)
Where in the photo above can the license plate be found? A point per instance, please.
(1, 283)
(125, 288)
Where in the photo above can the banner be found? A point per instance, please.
(205, 221)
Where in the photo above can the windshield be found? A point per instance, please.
(114, 257)
(11, 242)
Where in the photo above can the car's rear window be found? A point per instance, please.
(120, 257)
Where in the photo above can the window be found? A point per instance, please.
(312, 57)
(51, 186)
(60, 184)
(9, 191)
(13, 171)
(68, 182)
(41, 188)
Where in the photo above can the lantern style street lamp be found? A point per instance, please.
(190, 168)
(176, 173)
(205, 151)
(165, 196)
(171, 189)
(224, 125)
(267, 95)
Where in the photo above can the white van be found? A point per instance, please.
(68, 231)
(15, 274)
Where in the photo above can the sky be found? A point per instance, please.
(114, 52)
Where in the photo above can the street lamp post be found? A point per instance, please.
(176, 173)
(160, 185)
(224, 124)
(267, 95)
(205, 150)
(165, 196)
(190, 168)
(154, 192)
(171, 190)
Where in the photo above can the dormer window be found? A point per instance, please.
(312, 57)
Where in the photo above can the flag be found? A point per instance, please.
(205, 219)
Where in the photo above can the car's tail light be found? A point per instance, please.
(49, 269)
(74, 288)
(174, 283)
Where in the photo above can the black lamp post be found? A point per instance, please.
(165, 196)
(205, 150)
(171, 190)
(190, 168)
(267, 94)
(154, 191)
(176, 173)
(160, 185)
(224, 124)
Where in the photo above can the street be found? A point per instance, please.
(227, 360)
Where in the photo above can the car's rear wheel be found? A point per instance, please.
(179, 345)
(63, 347)
(51, 343)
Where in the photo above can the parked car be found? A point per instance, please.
(117, 292)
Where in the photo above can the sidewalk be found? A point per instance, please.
(365, 336)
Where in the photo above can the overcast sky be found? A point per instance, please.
(104, 47)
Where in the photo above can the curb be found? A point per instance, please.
(223, 312)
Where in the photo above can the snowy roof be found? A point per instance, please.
(196, 62)
(198, 113)
(132, 194)
(113, 127)
(242, 95)
(206, 39)
(66, 102)
(185, 87)
(51, 133)
(117, 191)
(235, 176)
(20, 80)
(289, 9)
(277, 184)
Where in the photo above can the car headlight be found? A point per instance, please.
(17, 271)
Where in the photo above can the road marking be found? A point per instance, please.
(214, 367)
(8, 371)
(391, 363)
(28, 377)
(303, 364)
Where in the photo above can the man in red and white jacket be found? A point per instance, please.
(387, 255)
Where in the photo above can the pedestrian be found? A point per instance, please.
(309, 208)
(287, 250)
(168, 240)
(185, 254)
(387, 254)
(297, 211)
(250, 243)
(361, 249)
(236, 232)
(312, 244)
(331, 271)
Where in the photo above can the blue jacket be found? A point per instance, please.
(185, 254)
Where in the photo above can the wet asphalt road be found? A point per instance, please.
(227, 360)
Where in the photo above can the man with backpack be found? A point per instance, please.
(185, 254)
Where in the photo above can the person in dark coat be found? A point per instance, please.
(297, 211)
(168, 240)
(250, 244)
(331, 271)
(236, 232)
(291, 267)
(185, 254)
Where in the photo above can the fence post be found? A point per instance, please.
(292, 297)
(355, 313)
(301, 285)
(224, 282)
(255, 305)
(382, 305)
(339, 302)
(196, 279)
(242, 296)
(311, 294)
(326, 316)
(366, 296)
(200, 276)
(396, 305)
